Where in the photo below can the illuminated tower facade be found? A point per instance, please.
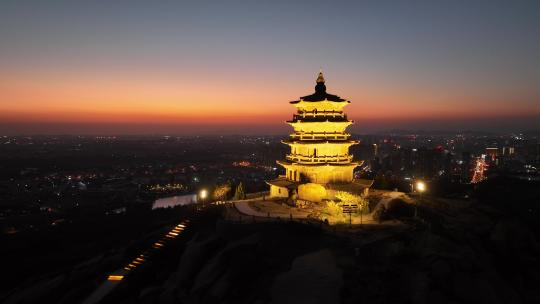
(319, 161)
(479, 169)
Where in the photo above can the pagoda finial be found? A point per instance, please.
(320, 79)
(320, 88)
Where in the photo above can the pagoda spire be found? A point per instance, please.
(320, 87)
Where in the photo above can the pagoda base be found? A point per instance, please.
(313, 192)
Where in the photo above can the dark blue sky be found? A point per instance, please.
(402, 63)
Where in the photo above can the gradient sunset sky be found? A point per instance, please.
(198, 67)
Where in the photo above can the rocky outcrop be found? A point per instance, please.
(208, 272)
(313, 278)
(231, 265)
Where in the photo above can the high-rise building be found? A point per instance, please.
(507, 151)
(319, 162)
(479, 170)
(492, 153)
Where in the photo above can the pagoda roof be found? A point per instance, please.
(283, 182)
(355, 185)
(320, 93)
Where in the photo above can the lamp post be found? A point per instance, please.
(361, 211)
(420, 187)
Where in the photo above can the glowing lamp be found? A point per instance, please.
(203, 194)
(420, 187)
(115, 277)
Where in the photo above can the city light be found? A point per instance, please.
(115, 277)
(420, 187)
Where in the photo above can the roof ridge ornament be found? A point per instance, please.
(320, 79)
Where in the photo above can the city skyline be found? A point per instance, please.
(180, 68)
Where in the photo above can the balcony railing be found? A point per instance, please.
(310, 114)
(298, 117)
(320, 136)
(320, 159)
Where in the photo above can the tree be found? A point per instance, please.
(353, 199)
(221, 191)
(332, 208)
(294, 196)
(240, 194)
(380, 214)
(350, 198)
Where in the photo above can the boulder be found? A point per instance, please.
(223, 261)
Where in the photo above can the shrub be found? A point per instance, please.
(398, 208)
(333, 208)
(380, 214)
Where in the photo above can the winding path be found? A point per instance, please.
(244, 208)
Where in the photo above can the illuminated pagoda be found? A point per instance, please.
(319, 163)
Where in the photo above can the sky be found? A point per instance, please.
(231, 67)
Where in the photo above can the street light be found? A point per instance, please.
(203, 194)
(420, 187)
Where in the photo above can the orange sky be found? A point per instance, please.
(178, 99)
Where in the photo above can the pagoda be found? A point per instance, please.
(319, 163)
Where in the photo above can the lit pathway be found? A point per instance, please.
(117, 276)
(244, 208)
(278, 212)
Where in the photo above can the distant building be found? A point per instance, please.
(319, 163)
(507, 151)
(492, 154)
